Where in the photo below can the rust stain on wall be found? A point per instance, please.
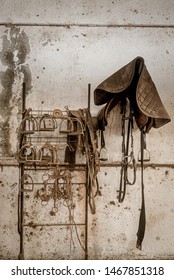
(13, 54)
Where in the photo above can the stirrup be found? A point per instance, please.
(47, 123)
(146, 155)
(28, 125)
(47, 153)
(79, 129)
(27, 180)
(104, 154)
(66, 121)
(27, 153)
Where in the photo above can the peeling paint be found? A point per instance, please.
(13, 55)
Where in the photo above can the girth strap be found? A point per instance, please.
(142, 218)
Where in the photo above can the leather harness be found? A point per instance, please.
(89, 147)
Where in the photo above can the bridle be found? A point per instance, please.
(127, 157)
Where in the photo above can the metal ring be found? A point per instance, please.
(45, 177)
(57, 113)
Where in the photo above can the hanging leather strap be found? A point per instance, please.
(127, 157)
(102, 139)
(142, 219)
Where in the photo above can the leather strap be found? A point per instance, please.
(142, 218)
(93, 162)
(127, 158)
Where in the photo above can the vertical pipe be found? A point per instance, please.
(86, 216)
(21, 193)
(23, 99)
(89, 97)
(87, 183)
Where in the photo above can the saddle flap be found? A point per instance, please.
(104, 112)
(133, 81)
(149, 101)
(115, 84)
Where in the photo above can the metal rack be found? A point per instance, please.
(44, 138)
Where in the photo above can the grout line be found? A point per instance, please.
(108, 164)
(86, 25)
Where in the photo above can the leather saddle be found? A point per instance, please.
(134, 82)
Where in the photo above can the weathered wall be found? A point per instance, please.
(57, 48)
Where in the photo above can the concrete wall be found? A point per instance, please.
(57, 48)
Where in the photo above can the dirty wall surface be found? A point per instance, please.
(57, 49)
